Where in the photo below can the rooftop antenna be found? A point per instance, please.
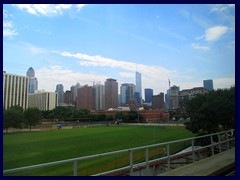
(169, 83)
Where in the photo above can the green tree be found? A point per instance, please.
(212, 112)
(32, 117)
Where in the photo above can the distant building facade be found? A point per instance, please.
(85, 98)
(139, 85)
(148, 95)
(42, 100)
(15, 90)
(174, 97)
(99, 97)
(158, 101)
(60, 92)
(33, 82)
(111, 93)
(127, 93)
(208, 84)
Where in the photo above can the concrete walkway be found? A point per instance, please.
(206, 167)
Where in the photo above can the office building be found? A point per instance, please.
(86, 98)
(111, 94)
(139, 85)
(15, 90)
(33, 82)
(158, 101)
(174, 99)
(208, 84)
(60, 92)
(148, 95)
(42, 100)
(127, 93)
(99, 97)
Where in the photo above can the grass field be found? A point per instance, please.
(30, 148)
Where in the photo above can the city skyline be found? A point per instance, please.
(66, 44)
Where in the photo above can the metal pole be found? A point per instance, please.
(227, 141)
(212, 145)
(168, 155)
(147, 165)
(75, 169)
(219, 143)
(193, 151)
(131, 162)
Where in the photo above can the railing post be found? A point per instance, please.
(193, 151)
(147, 165)
(168, 156)
(219, 143)
(212, 145)
(227, 141)
(131, 162)
(75, 168)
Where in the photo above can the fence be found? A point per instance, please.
(219, 141)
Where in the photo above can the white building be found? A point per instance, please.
(15, 90)
(43, 100)
(99, 97)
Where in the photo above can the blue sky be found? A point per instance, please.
(89, 43)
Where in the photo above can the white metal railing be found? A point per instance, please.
(227, 134)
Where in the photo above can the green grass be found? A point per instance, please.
(30, 148)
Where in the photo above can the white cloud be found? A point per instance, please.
(214, 33)
(126, 74)
(9, 29)
(46, 9)
(49, 77)
(221, 8)
(225, 82)
(197, 46)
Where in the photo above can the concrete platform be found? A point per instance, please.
(210, 166)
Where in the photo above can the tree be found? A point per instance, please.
(32, 117)
(212, 112)
(13, 117)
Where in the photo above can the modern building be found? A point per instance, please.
(68, 98)
(42, 100)
(127, 93)
(158, 101)
(188, 94)
(148, 95)
(208, 84)
(86, 98)
(99, 97)
(167, 99)
(33, 82)
(174, 93)
(139, 85)
(15, 90)
(111, 93)
(60, 92)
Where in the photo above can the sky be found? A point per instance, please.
(66, 44)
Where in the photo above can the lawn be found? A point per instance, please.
(30, 148)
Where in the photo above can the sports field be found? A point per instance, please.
(30, 148)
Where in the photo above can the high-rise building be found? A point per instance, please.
(158, 101)
(68, 97)
(208, 84)
(174, 97)
(15, 90)
(148, 95)
(33, 82)
(60, 92)
(139, 85)
(85, 98)
(127, 93)
(42, 100)
(111, 94)
(99, 97)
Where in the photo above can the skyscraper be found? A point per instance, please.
(148, 95)
(158, 101)
(208, 84)
(60, 92)
(127, 93)
(33, 82)
(99, 97)
(111, 93)
(85, 98)
(139, 86)
(15, 90)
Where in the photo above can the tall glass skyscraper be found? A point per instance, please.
(60, 92)
(127, 93)
(33, 82)
(208, 84)
(148, 95)
(139, 85)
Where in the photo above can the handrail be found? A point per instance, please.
(130, 150)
